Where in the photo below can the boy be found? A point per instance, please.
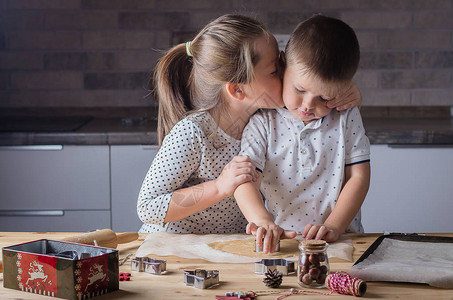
(314, 161)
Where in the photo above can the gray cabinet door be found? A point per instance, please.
(129, 166)
(38, 181)
(411, 190)
(70, 220)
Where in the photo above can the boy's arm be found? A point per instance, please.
(251, 203)
(357, 182)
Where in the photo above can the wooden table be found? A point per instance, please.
(233, 277)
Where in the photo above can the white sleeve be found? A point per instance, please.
(176, 160)
(357, 144)
(254, 140)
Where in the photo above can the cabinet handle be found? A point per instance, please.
(149, 147)
(420, 146)
(33, 147)
(31, 213)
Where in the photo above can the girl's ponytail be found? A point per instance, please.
(170, 85)
(192, 79)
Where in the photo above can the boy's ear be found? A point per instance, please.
(282, 59)
(235, 91)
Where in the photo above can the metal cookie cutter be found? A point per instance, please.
(282, 265)
(201, 279)
(260, 249)
(148, 265)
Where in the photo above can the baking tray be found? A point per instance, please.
(414, 237)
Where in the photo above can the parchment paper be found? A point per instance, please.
(197, 246)
(406, 261)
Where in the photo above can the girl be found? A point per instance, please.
(228, 71)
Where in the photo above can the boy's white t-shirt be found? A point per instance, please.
(303, 165)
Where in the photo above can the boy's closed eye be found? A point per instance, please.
(322, 98)
(299, 91)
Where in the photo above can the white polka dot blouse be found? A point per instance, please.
(195, 151)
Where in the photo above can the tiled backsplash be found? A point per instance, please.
(99, 53)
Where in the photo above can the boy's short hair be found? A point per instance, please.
(326, 46)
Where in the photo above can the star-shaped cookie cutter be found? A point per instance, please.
(148, 265)
(201, 279)
(282, 265)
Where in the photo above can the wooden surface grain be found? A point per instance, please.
(233, 277)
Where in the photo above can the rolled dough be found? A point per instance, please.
(230, 248)
(288, 248)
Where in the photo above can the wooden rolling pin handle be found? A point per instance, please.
(103, 238)
(126, 237)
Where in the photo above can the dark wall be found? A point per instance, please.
(99, 53)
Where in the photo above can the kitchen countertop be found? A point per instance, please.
(409, 131)
(233, 276)
(138, 130)
(96, 131)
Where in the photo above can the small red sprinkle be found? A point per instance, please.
(125, 276)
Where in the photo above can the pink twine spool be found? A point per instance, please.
(339, 282)
(343, 283)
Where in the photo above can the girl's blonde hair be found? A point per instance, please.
(223, 51)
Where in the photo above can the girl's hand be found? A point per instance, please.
(320, 232)
(238, 171)
(270, 234)
(349, 98)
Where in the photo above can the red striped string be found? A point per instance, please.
(305, 292)
(343, 283)
(339, 282)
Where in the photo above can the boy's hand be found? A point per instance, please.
(320, 232)
(350, 97)
(238, 171)
(272, 233)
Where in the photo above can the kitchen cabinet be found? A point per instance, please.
(129, 164)
(82, 188)
(411, 189)
(64, 221)
(54, 187)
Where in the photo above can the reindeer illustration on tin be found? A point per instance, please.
(96, 273)
(36, 273)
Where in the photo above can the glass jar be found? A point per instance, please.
(313, 266)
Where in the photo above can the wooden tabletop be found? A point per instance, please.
(233, 277)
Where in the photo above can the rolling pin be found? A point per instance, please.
(104, 238)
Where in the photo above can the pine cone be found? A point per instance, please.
(273, 278)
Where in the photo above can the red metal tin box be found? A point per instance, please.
(61, 269)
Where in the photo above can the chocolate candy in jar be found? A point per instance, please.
(313, 266)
